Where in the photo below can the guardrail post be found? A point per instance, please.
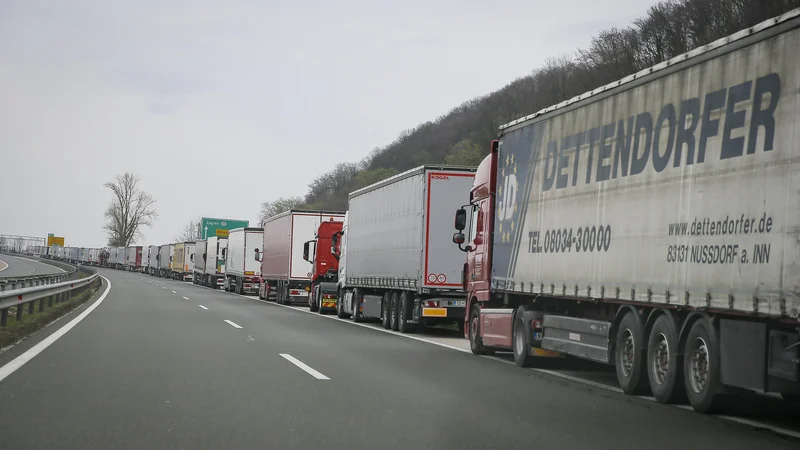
(50, 301)
(30, 308)
(3, 317)
(19, 313)
(41, 304)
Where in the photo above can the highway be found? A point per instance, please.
(166, 364)
(20, 266)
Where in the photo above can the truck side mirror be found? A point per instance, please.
(458, 238)
(224, 251)
(306, 247)
(191, 257)
(258, 254)
(461, 219)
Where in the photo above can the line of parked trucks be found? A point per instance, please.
(652, 225)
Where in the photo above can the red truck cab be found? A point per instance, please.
(323, 287)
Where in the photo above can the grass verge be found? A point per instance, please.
(31, 323)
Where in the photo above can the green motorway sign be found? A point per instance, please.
(219, 227)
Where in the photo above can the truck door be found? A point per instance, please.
(479, 240)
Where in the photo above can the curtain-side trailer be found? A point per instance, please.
(652, 225)
(397, 262)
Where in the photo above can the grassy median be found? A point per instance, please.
(31, 323)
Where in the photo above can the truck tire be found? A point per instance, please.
(239, 286)
(313, 301)
(339, 309)
(521, 341)
(262, 288)
(357, 306)
(629, 355)
(701, 369)
(404, 306)
(475, 340)
(386, 314)
(395, 306)
(664, 366)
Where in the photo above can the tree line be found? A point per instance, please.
(462, 136)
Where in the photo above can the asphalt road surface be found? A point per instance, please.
(20, 267)
(166, 364)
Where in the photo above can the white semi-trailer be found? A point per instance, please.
(397, 262)
(652, 224)
(243, 260)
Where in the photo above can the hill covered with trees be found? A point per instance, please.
(462, 136)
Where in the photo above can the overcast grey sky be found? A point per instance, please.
(220, 105)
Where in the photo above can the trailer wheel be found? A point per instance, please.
(357, 294)
(394, 306)
(403, 311)
(629, 357)
(475, 340)
(521, 339)
(386, 314)
(339, 309)
(701, 371)
(664, 366)
(240, 286)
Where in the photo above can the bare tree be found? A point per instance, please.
(277, 206)
(190, 231)
(129, 211)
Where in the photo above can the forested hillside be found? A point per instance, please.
(462, 136)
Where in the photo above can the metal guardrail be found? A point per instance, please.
(22, 281)
(54, 288)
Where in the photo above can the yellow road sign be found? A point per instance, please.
(55, 241)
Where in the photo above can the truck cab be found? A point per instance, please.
(322, 252)
(476, 219)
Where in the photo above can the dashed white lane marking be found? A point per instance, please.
(186, 298)
(743, 421)
(202, 307)
(174, 292)
(233, 324)
(305, 367)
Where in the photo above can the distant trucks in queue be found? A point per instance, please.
(285, 274)
(627, 228)
(322, 253)
(396, 261)
(153, 261)
(214, 267)
(243, 260)
(133, 258)
(182, 266)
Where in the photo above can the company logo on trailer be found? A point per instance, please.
(507, 199)
(440, 177)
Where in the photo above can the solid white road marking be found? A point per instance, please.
(233, 324)
(205, 308)
(186, 298)
(304, 366)
(20, 360)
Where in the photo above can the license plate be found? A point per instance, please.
(457, 302)
(434, 312)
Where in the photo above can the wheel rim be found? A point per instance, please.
(394, 312)
(626, 355)
(699, 365)
(402, 315)
(519, 342)
(661, 359)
